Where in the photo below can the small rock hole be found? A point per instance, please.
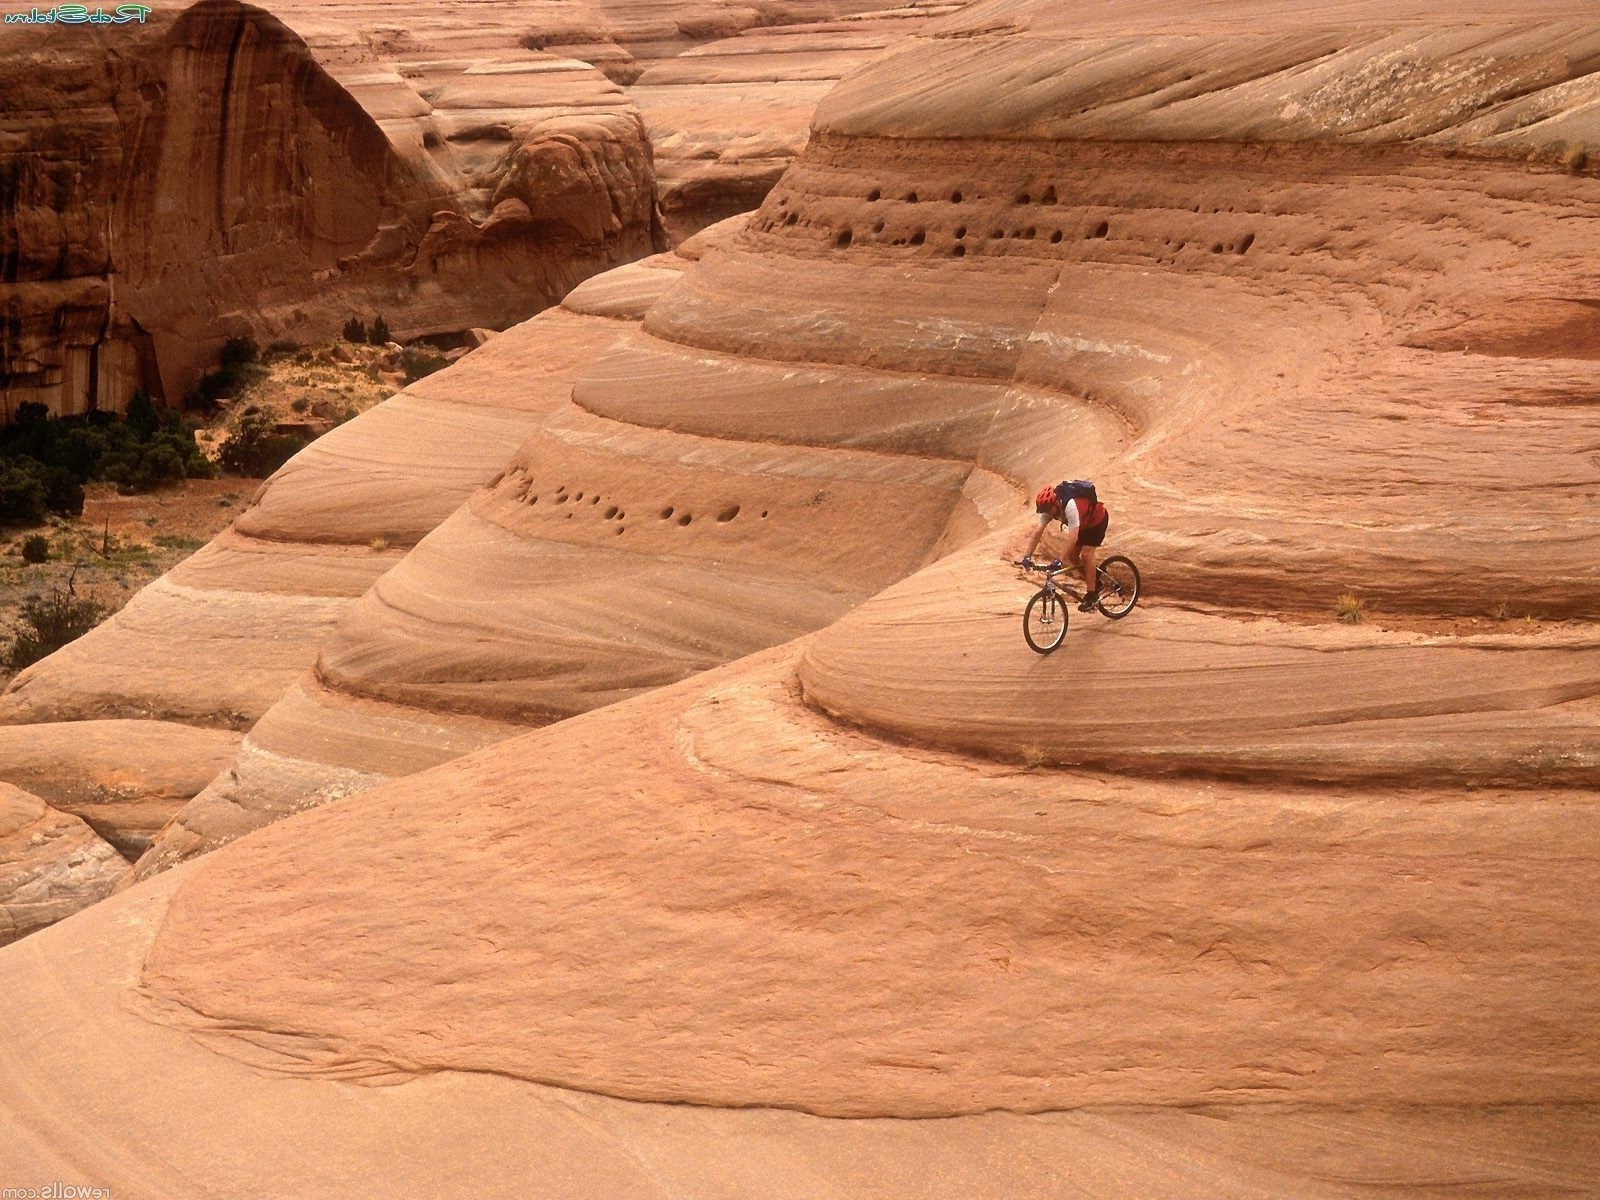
(610, 512)
(918, 238)
(684, 518)
(877, 227)
(791, 218)
(1055, 237)
(666, 513)
(1049, 196)
(874, 195)
(958, 250)
(961, 231)
(728, 513)
(1246, 242)
(844, 238)
(1101, 230)
(1024, 198)
(955, 197)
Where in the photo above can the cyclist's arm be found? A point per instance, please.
(1033, 542)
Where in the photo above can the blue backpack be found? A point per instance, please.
(1069, 490)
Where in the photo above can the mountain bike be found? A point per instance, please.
(1044, 621)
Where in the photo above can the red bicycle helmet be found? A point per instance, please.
(1045, 500)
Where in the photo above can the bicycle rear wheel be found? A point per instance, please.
(1119, 587)
(1044, 621)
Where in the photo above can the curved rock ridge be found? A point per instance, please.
(714, 894)
(1142, 278)
(251, 608)
(223, 1118)
(1180, 691)
(1012, 69)
(609, 556)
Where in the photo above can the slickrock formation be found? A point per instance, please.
(51, 864)
(1227, 899)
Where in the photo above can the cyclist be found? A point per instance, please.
(1085, 519)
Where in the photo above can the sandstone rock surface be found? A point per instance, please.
(51, 865)
(126, 779)
(1227, 899)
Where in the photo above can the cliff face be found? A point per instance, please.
(222, 171)
(207, 177)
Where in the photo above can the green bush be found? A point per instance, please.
(254, 449)
(49, 623)
(354, 330)
(378, 331)
(36, 549)
(45, 461)
(22, 493)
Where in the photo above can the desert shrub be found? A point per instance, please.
(378, 331)
(255, 448)
(1351, 609)
(45, 461)
(48, 623)
(282, 348)
(36, 549)
(22, 493)
(415, 363)
(354, 330)
(142, 418)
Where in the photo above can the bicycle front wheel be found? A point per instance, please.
(1119, 587)
(1044, 621)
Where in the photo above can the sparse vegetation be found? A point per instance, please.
(239, 368)
(378, 331)
(49, 622)
(1575, 159)
(36, 549)
(1351, 609)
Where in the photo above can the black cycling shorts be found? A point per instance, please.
(1095, 535)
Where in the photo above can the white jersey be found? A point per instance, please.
(1070, 521)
